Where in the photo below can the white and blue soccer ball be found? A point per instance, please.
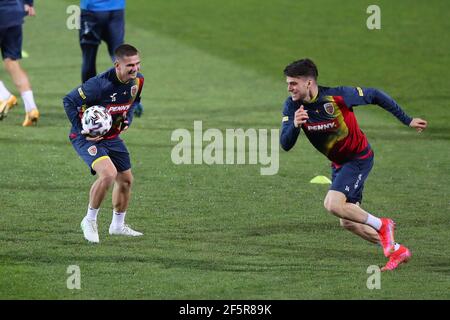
(96, 121)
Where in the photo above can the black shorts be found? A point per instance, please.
(11, 42)
(96, 26)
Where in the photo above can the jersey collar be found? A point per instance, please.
(118, 79)
(316, 97)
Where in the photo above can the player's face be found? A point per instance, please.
(298, 87)
(128, 67)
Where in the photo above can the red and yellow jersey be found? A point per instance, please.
(332, 127)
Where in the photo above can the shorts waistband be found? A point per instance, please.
(365, 155)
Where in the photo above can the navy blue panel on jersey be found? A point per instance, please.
(350, 177)
(11, 42)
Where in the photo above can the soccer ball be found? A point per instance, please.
(96, 121)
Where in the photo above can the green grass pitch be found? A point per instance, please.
(225, 231)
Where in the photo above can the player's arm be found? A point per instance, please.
(85, 94)
(362, 96)
(290, 129)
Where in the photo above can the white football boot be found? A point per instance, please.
(124, 230)
(90, 230)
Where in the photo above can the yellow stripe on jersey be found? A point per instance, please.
(82, 95)
(98, 159)
(285, 118)
(361, 93)
(315, 98)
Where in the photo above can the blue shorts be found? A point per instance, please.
(91, 152)
(11, 42)
(349, 178)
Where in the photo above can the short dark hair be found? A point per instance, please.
(125, 50)
(304, 67)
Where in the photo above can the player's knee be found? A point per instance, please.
(108, 180)
(108, 176)
(124, 180)
(332, 206)
(127, 182)
(11, 65)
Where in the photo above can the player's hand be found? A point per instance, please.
(300, 116)
(29, 10)
(418, 124)
(124, 126)
(94, 139)
(89, 138)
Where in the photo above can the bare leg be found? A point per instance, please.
(352, 217)
(121, 198)
(22, 83)
(106, 175)
(336, 203)
(122, 191)
(18, 75)
(364, 231)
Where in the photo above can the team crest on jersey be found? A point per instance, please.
(134, 90)
(329, 108)
(92, 150)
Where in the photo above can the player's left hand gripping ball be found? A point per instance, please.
(124, 126)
